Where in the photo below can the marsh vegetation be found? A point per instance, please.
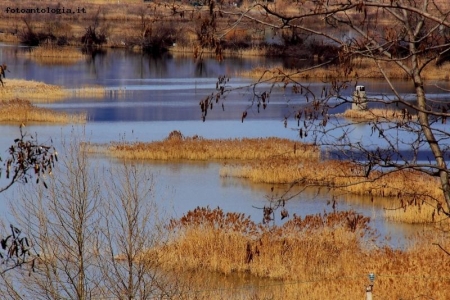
(278, 161)
(127, 248)
(20, 111)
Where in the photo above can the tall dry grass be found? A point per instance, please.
(177, 147)
(22, 111)
(281, 161)
(316, 257)
(240, 52)
(363, 68)
(405, 188)
(40, 92)
(54, 55)
(379, 114)
(32, 90)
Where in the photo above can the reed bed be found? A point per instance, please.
(22, 111)
(306, 258)
(414, 214)
(363, 68)
(177, 147)
(379, 115)
(240, 52)
(39, 92)
(55, 51)
(246, 52)
(282, 161)
(34, 91)
(9, 38)
(54, 55)
(407, 188)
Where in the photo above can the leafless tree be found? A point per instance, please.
(132, 227)
(89, 234)
(61, 222)
(408, 35)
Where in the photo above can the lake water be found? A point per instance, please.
(161, 95)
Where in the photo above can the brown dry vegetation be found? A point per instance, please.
(119, 20)
(407, 188)
(281, 161)
(363, 68)
(32, 90)
(379, 115)
(122, 23)
(306, 258)
(22, 111)
(53, 55)
(40, 92)
(177, 147)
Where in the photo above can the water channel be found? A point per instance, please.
(162, 94)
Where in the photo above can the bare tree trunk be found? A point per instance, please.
(62, 223)
(133, 225)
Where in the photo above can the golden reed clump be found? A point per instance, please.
(32, 90)
(177, 147)
(380, 115)
(22, 111)
(305, 258)
(55, 55)
(362, 68)
(406, 188)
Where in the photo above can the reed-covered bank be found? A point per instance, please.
(22, 111)
(281, 161)
(32, 90)
(329, 254)
(55, 55)
(379, 115)
(362, 68)
(177, 147)
(40, 92)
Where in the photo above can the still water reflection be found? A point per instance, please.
(162, 94)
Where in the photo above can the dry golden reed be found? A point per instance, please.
(362, 68)
(407, 188)
(282, 161)
(55, 55)
(239, 52)
(55, 51)
(22, 111)
(379, 115)
(40, 92)
(34, 91)
(316, 257)
(177, 147)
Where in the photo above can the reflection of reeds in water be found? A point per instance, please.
(316, 257)
(22, 111)
(405, 188)
(96, 92)
(54, 55)
(33, 90)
